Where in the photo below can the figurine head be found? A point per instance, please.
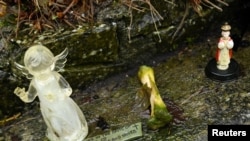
(38, 59)
(226, 27)
(225, 30)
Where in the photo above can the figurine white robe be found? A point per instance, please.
(62, 116)
(224, 53)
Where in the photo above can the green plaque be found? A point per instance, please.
(122, 134)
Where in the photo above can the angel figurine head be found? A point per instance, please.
(38, 59)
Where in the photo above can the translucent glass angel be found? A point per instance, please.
(64, 119)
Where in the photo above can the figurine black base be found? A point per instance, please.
(230, 74)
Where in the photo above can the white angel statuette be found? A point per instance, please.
(64, 119)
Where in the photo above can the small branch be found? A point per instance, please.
(182, 21)
(192, 95)
(4, 121)
(70, 5)
(223, 2)
(213, 5)
(18, 17)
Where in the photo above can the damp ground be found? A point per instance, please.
(194, 100)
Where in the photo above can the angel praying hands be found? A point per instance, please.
(64, 119)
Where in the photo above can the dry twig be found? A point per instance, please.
(4, 121)
(133, 5)
(196, 4)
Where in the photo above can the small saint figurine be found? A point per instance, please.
(223, 67)
(64, 119)
(224, 50)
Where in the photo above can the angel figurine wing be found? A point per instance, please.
(60, 60)
(23, 70)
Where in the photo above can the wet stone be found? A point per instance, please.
(194, 99)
